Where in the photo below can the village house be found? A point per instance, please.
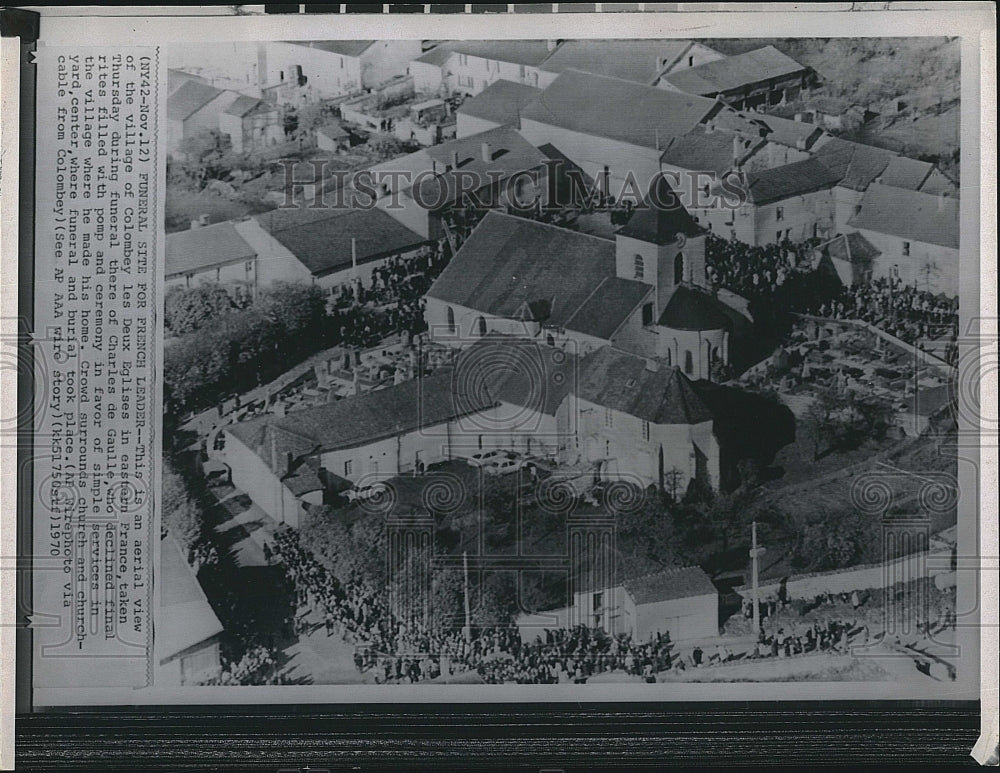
(288, 463)
(251, 125)
(470, 66)
(332, 138)
(850, 256)
(193, 108)
(496, 168)
(682, 602)
(215, 254)
(619, 139)
(328, 247)
(188, 631)
(307, 71)
(755, 79)
(916, 234)
(639, 61)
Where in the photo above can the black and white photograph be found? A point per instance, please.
(562, 362)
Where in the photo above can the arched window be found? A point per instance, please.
(688, 362)
(640, 267)
(451, 320)
(679, 268)
(481, 324)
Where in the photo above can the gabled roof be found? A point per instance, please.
(362, 419)
(632, 60)
(852, 247)
(321, 239)
(201, 248)
(185, 618)
(189, 98)
(903, 172)
(518, 371)
(436, 56)
(789, 132)
(500, 102)
(509, 153)
(769, 185)
(352, 48)
(617, 109)
(938, 182)
(526, 52)
(670, 584)
(735, 72)
(333, 131)
(245, 105)
(856, 165)
(692, 309)
(921, 217)
(660, 217)
(622, 381)
(608, 307)
(510, 261)
(707, 151)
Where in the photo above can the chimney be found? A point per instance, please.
(487, 152)
(800, 143)
(204, 219)
(551, 45)
(195, 224)
(288, 462)
(652, 365)
(710, 127)
(737, 149)
(799, 117)
(454, 160)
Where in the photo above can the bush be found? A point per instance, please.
(187, 309)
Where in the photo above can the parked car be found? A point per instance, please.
(503, 466)
(359, 494)
(484, 458)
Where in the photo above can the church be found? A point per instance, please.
(644, 292)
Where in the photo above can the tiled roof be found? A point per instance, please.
(622, 381)
(789, 132)
(707, 151)
(352, 48)
(921, 217)
(735, 72)
(509, 261)
(617, 109)
(632, 60)
(938, 182)
(670, 584)
(527, 52)
(903, 172)
(201, 248)
(321, 239)
(500, 102)
(437, 55)
(855, 164)
(189, 99)
(852, 247)
(333, 131)
(509, 153)
(661, 217)
(362, 419)
(244, 105)
(517, 371)
(691, 309)
(608, 307)
(185, 617)
(769, 185)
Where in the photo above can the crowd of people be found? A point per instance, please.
(910, 314)
(753, 271)
(258, 666)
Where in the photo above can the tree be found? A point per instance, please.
(187, 309)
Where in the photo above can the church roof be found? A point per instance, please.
(691, 309)
(624, 382)
(660, 217)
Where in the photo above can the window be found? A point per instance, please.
(249, 266)
(670, 359)
(550, 340)
(341, 63)
(347, 468)
(906, 249)
(679, 268)
(607, 449)
(640, 267)
(779, 213)
(481, 326)
(645, 431)
(451, 320)
(598, 602)
(688, 362)
(690, 61)
(647, 314)
(777, 237)
(609, 419)
(463, 60)
(857, 209)
(521, 71)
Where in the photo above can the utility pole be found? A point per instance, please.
(755, 553)
(468, 617)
